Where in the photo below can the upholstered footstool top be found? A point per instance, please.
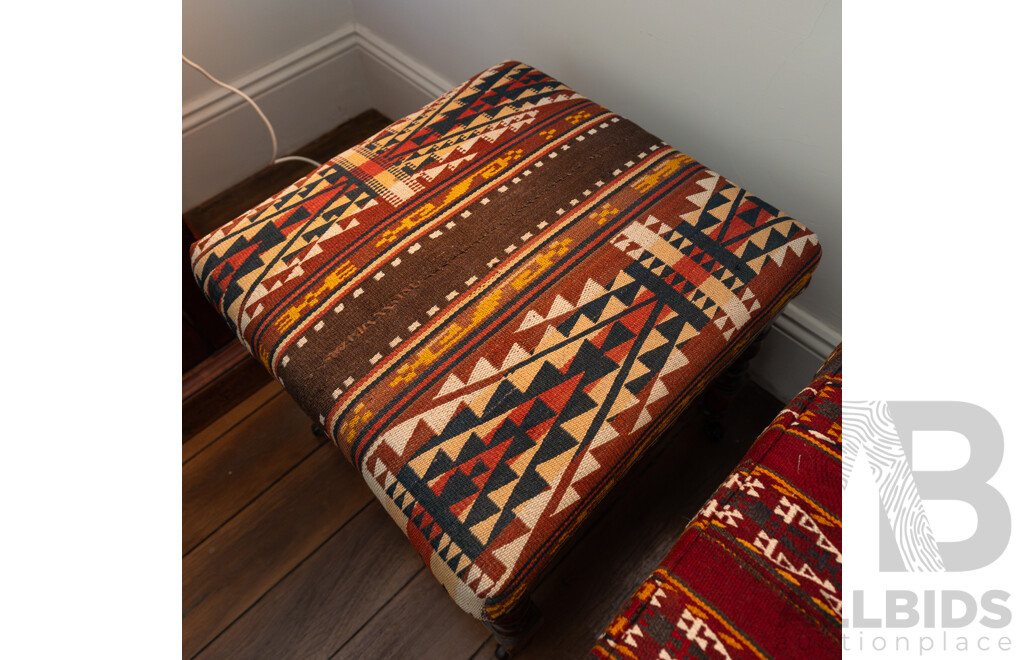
(495, 304)
(758, 571)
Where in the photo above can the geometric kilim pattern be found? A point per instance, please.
(495, 304)
(758, 572)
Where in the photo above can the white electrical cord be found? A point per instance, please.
(274, 160)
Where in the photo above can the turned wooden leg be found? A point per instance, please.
(721, 393)
(514, 628)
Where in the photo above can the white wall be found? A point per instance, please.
(233, 38)
(295, 58)
(751, 89)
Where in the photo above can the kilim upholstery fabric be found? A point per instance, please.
(758, 572)
(495, 304)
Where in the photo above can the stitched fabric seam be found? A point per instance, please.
(452, 260)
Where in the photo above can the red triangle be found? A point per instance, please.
(644, 294)
(420, 435)
(619, 353)
(512, 531)
(636, 319)
(519, 413)
(463, 504)
(734, 230)
(238, 258)
(438, 486)
(538, 432)
(317, 202)
(558, 396)
(215, 274)
(426, 522)
(744, 206)
(601, 336)
(491, 458)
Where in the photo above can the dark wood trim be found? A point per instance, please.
(513, 629)
(203, 331)
(216, 385)
(718, 397)
(210, 369)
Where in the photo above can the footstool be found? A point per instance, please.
(758, 571)
(493, 307)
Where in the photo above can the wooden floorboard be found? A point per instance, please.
(317, 608)
(220, 481)
(240, 380)
(200, 376)
(230, 419)
(229, 571)
(422, 621)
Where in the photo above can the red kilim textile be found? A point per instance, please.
(495, 304)
(758, 572)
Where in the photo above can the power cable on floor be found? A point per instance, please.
(274, 160)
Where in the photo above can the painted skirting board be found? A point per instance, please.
(398, 83)
(304, 95)
(312, 90)
(792, 352)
